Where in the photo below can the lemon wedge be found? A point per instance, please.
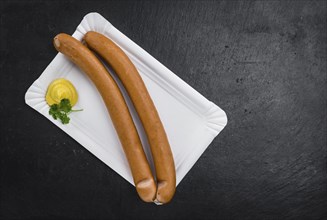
(61, 89)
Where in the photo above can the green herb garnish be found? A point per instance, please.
(62, 110)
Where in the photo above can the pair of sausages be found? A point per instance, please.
(162, 189)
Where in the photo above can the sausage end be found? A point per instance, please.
(165, 192)
(56, 42)
(146, 189)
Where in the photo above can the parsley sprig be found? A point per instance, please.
(62, 110)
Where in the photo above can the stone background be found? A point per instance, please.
(263, 62)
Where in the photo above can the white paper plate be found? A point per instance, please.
(190, 120)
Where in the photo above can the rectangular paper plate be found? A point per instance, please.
(190, 120)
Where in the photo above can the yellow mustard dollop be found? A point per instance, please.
(61, 89)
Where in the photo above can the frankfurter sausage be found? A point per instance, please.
(118, 111)
(134, 85)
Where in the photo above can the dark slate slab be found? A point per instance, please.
(263, 62)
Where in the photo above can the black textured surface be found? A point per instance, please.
(263, 62)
